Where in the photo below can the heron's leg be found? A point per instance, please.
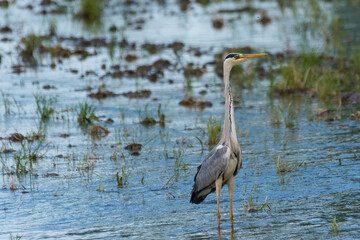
(218, 185)
(230, 184)
(219, 233)
(232, 234)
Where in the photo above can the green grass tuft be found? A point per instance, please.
(123, 179)
(214, 132)
(86, 114)
(251, 203)
(45, 107)
(91, 10)
(334, 225)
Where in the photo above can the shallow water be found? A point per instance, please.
(155, 202)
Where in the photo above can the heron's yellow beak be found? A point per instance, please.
(249, 56)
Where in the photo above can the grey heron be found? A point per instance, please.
(223, 162)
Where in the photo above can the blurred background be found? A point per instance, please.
(108, 106)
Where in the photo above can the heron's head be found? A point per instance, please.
(233, 59)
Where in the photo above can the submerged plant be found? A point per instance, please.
(161, 117)
(287, 113)
(214, 131)
(290, 116)
(355, 57)
(282, 168)
(122, 112)
(144, 117)
(101, 187)
(250, 203)
(91, 10)
(334, 225)
(98, 132)
(86, 114)
(86, 165)
(123, 179)
(28, 47)
(6, 103)
(147, 120)
(21, 163)
(178, 156)
(275, 118)
(30, 152)
(45, 107)
(16, 237)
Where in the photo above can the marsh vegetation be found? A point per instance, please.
(108, 107)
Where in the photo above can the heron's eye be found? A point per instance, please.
(237, 57)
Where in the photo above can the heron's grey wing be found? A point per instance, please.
(212, 167)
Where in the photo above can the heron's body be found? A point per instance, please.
(223, 162)
(228, 162)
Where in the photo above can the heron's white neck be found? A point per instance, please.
(229, 130)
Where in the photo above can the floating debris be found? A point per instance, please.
(148, 121)
(47, 2)
(356, 115)
(130, 57)
(57, 51)
(8, 151)
(6, 39)
(189, 70)
(109, 120)
(134, 147)
(143, 70)
(189, 101)
(73, 70)
(98, 131)
(217, 23)
(264, 18)
(101, 94)
(238, 10)
(176, 46)
(322, 111)
(82, 53)
(64, 135)
(161, 64)
(17, 137)
(153, 77)
(5, 29)
(112, 28)
(90, 72)
(332, 119)
(4, 3)
(45, 175)
(18, 69)
(350, 97)
(152, 48)
(47, 87)
(138, 94)
(184, 4)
